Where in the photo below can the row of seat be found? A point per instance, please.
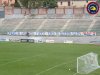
(48, 25)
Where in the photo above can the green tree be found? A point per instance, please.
(87, 1)
(24, 3)
(52, 3)
(36, 3)
(99, 1)
(16, 4)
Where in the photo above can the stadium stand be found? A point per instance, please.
(53, 25)
(96, 27)
(49, 25)
(30, 25)
(78, 25)
(8, 25)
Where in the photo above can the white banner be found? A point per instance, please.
(53, 33)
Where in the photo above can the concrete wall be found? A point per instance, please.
(80, 40)
(73, 3)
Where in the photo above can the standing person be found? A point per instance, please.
(27, 34)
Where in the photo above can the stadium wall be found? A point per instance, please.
(59, 12)
(79, 40)
(2, 12)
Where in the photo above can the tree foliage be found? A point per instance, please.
(16, 4)
(99, 1)
(38, 3)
